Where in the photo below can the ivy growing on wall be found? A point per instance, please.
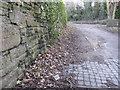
(51, 16)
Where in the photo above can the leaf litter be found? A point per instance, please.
(48, 69)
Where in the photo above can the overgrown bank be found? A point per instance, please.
(27, 30)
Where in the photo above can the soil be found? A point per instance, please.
(76, 45)
(48, 69)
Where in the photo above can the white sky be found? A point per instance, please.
(80, 2)
(75, 1)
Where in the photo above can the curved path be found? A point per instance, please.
(97, 57)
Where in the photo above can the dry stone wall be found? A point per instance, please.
(26, 29)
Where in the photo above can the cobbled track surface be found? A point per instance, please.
(97, 57)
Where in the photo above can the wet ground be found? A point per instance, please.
(89, 55)
(95, 63)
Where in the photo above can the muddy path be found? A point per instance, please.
(95, 61)
(86, 56)
(94, 39)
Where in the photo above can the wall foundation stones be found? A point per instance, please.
(26, 28)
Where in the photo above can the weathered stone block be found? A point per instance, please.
(10, 37)
(0, 11)
(38, 31)
(13, 65)
(4, 12)
(1, 84)
(17, 17)
(27, 5)
(0, 38)
(35, 54)
(6, 70)
(112, 23)
(30, 33)
(0, 61)
(24, 39)
(14, 81)
(5, 20)
(35, 51)
(32, 23)
(33, 37)
(23, 31)
(4, 4)
(33, 30)
(6, 60)
(37, 9)
(32, 43)
(11, 76)
(16, 52)
(28, 59)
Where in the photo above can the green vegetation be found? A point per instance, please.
(89, 12)
(53, 17)
(117, 14)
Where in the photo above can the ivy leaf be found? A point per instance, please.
(42, 51)
(36, 69)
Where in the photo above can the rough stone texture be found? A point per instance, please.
(14, 52)
(21, 38)
(96, 75)
(17, 17)
(10, 37)
(11, 76)
(5, 61)
(32, 23)
(112, 23)
(98, 67)
(0, 37)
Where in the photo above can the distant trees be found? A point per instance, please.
(117, 14)
(89, 12)
(111, 8)
(99, 11)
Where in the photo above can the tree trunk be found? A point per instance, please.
(115, 6)
(108, 10)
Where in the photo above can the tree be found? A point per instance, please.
(96, 10)
(88, 10)
(117, 13)
(111, 8)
